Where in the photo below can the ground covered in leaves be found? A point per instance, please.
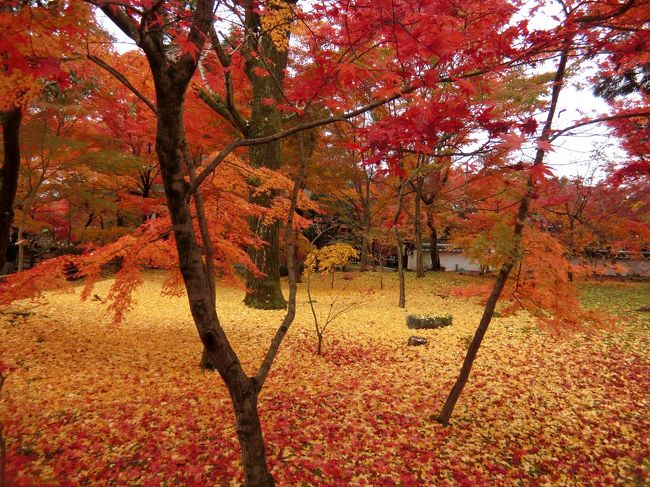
(89, 404)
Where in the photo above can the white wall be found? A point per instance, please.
(451, 261)
(457, 261)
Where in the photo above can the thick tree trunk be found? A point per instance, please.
(251, 439)
(264, 292)
(9, 175)
(364, 257)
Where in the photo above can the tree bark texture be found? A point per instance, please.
(400, 271)
(433, 242)
(217, 350)
(9, 176)
(264, 292)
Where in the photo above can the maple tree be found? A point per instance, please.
(364, 92)
(513, 253)
(34, 42)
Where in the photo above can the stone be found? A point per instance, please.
(416, 341)
(425, 322)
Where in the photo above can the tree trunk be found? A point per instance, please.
(265, 292)
(433, 241)
(296, 258)
(366, 248)
(400, 271)
(171, 79)
(450, 403)
(170, 141)
(419, 262)
(522, 214)
(9, 175)
(251, 439)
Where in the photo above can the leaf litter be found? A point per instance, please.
(90, 403)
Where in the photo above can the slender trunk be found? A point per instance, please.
(27, 204)
(208, 248)
(400, 271)
(296, 258)
(450, 403)
(419, 262)
(433, 242)
(319, 349)
(21, 250)
(461, 380)
(400, 246)
(9, 175)
(366, 251)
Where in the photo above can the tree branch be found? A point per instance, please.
(619, 116)
(122, 79)
(264, 369)
(600, 18)
(286, 133)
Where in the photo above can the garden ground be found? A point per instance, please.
(91, 403)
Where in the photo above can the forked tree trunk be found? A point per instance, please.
(9, 175)
(170, 141)
(217, 350)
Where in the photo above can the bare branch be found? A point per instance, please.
(618, 116)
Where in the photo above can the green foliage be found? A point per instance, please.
(494, 248)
